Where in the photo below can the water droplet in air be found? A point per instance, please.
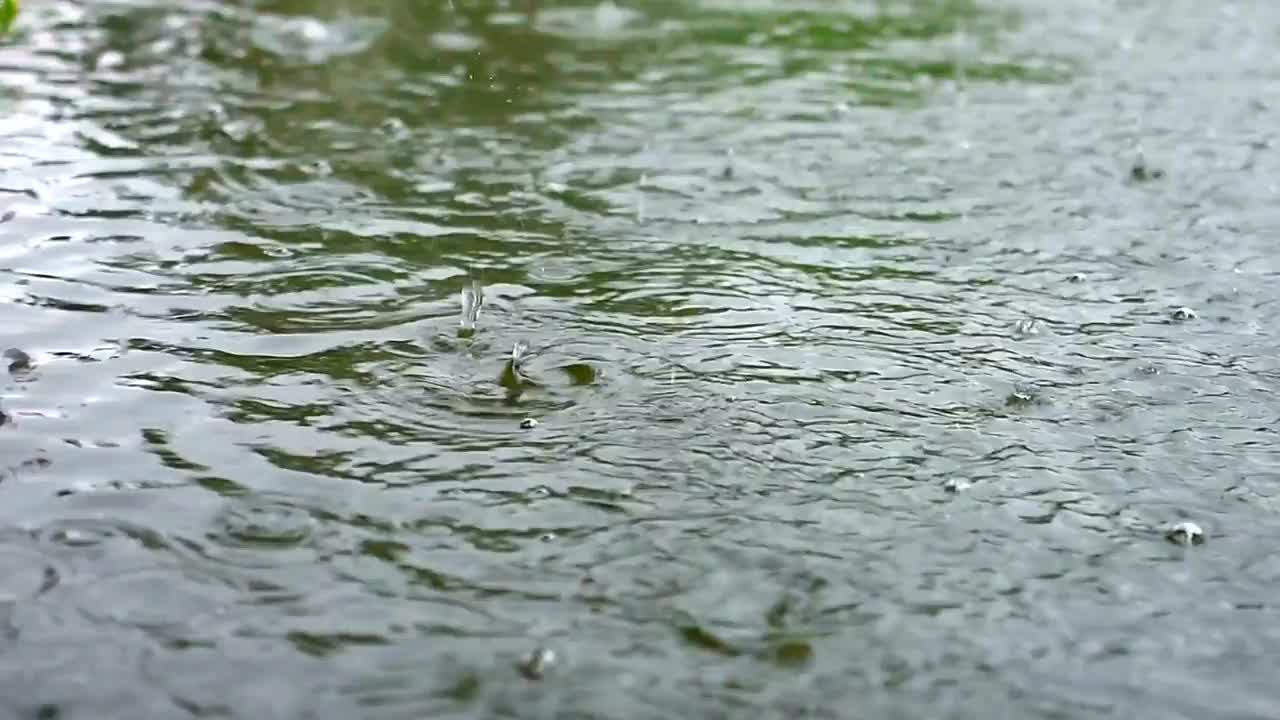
(472, 297)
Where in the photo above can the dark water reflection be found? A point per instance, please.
(784, 269)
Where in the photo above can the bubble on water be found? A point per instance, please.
(395, 127)
(535, 664)
(528, 424)
(109, 59)
(1185, 533)
(1182, 314)
(316, 168)
(1077, 277)
(1027, 327)
(1023, 396)
(1140, 171)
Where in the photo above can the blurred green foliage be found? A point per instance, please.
(8, 13)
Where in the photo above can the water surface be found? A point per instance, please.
(787, 272)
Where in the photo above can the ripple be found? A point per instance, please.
(161, 599)
(53, 673)
(94, 533)
(27, 572)
(251, 673)
(787, 272)
(262, 523)
(311, 41)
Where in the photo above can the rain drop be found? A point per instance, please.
(472, 297)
